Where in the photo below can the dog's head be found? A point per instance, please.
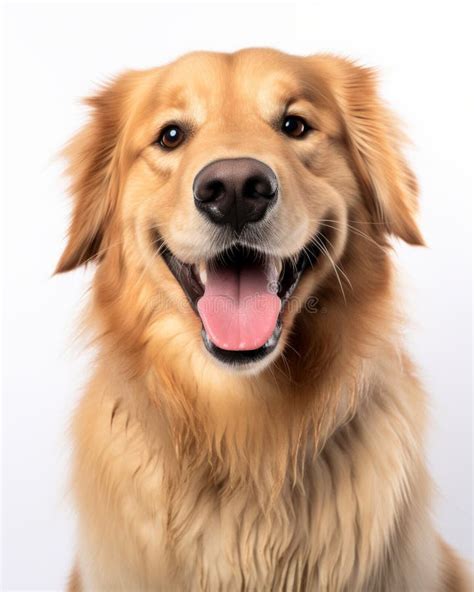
(235, 184)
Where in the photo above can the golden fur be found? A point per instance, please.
(307, 473)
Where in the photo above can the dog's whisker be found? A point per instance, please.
(352, 229)
(338, 265)
(324, 249)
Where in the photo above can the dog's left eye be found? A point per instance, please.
(295, 126)
(171, 137)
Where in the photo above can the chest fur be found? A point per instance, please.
(316, 532)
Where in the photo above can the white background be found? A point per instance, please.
(58, 53)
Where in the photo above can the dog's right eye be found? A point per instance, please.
(170, 137)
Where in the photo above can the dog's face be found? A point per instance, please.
(231, 183)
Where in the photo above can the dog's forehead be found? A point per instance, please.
(215, 80)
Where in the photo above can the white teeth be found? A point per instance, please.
(203, 272)
(279, 266)
(274, 268)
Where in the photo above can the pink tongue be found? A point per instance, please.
(238, 309)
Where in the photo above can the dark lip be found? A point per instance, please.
(290, 276)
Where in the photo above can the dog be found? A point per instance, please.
(253, 421)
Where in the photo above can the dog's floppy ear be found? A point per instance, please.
(375, 143)
(93, 157)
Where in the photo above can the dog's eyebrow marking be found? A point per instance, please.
(278, 111)
(290, 101)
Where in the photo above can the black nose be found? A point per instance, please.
(235, 191)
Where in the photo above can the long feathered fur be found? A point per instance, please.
(308, 476)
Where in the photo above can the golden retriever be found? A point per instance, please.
(253, 421)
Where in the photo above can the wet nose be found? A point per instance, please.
(235, 191)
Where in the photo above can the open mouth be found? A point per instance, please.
(240, 296)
